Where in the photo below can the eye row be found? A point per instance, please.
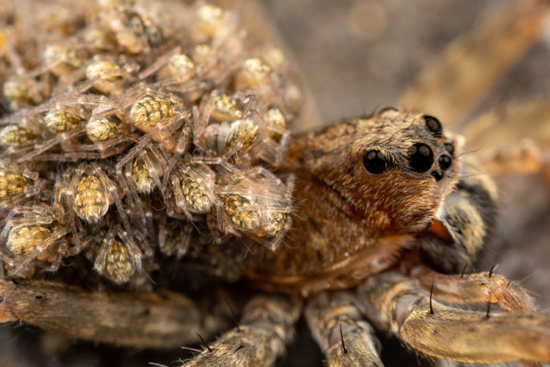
(420, 156)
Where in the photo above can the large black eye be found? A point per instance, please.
(445, 162)
(421, 158)
(433, 125)
(375, 162)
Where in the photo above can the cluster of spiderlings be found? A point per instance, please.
(116, 109)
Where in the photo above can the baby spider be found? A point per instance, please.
(14, 185)
(136, 29)
(109, 76)
(28, 234)
(108, 136)
(66, 123)
(61, 60)
(87, 191)
(159, 118)
(193, 189)
(118, 258)
(256, 203)
(21, 92)
(16, 139)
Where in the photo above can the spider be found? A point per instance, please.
(382, 205)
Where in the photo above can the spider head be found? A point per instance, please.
(392, 170)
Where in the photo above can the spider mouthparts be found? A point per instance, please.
(437, 228)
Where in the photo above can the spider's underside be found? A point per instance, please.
(263, 318)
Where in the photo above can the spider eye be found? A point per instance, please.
(421, 158)
(450, 148)
(375, 162)
(433, 125)
(445, 162)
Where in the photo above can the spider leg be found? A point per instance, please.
(101, 257)
(394, 303)
(139, 320)
(40, 248)
(61, 253)
(41, 148)
(181, 147)
(336, 322)
(266, 326)
(480, 58)
(478, 287)
(100, 150)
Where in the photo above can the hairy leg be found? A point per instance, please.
(336, 322)
(266, 326)
(478, 287)
(394, 303)
(144, 320)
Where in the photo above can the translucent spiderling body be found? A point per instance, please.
(179, 65)
(58, 121)
(196, 199)
(16, 90)
(245, 220)
(11, 183)
(99, 128)
(63, 60)
(225, 136)
(225, 108)
(275, 121)
(149, 111)
(201, 54)
(90, 199)
(142, 177)
(208, 19)
(253, 72)
(105, 74)
(23, 240)
(119, 265)
(15, 135)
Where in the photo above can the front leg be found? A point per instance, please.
(394, 303)
(477, 287)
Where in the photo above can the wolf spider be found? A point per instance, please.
(388, 209)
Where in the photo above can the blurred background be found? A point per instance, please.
(358, 56)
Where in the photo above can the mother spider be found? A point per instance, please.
(382, 202)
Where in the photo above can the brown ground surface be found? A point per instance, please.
(356, 56)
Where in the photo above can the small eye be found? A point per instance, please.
(433, 125)
(375, 162)
(445, 162)
(421, 158)
(438, 175)
(450, 148)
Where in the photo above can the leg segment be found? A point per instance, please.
(143, 320)
(476, 288)
(394, 303)
(337, 324)
(266, 326)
